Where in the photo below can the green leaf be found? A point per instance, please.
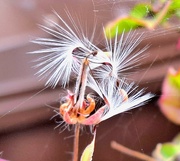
(177, 13)
(176, 140)
(175, 5)
(169, 150)
(175, 80)
(174, 9)
(89, 150)
(140, 11)
(121, 25)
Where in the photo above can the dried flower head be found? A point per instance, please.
(69, 51)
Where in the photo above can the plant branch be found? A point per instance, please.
(130, 152)
(76, 142)
(162, 14)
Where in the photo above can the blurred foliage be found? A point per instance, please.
(169, 101)
(174, 79)
(145, 15)
(169, 151)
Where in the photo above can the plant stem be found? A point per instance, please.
(162, 14)
(76, 142)
(130, 152)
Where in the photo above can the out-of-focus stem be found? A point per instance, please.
(76, 142)
(162, 13)
(130, 152)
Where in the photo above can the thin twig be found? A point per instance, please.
(76, 142)
(130, 152)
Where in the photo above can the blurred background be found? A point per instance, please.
(27, 131)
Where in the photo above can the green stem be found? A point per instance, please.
(76, 142)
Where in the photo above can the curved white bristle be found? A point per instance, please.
(116, 103)
(123, 56)
(59, 58)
